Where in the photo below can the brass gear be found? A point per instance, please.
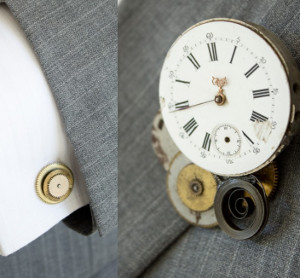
(45, 176)
(268, 176)
(47, 184)
(196, 188)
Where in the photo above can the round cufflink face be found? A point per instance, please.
(54, 183)
(192, 191)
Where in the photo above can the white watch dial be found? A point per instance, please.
(225, 97)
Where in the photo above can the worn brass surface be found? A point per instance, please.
(44, 179)
(196, 188)
(268, 177)
(205, 219)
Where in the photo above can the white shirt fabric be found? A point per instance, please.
(32, 136)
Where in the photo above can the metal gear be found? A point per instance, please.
(192, 191)
(44, 178)
(63, 188)
(196, 188)
(268, 176)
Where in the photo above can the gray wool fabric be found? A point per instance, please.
(63, 253)
(153, 240)
(76, 43)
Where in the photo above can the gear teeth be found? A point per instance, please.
(41, 180)
(218, 180)
(269, 177)
(276, 180)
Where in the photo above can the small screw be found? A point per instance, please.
(218, 99)
(197, 187)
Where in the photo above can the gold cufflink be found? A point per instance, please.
(54, 183)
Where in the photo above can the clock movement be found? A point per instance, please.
(229, 104)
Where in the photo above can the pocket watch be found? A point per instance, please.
(229, 98)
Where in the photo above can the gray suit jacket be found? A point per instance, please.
(76, 43)
(153, 240)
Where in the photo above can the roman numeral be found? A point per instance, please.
(182, 81)
(190, 126)
(233, 54)
(206, 142)
(212, 51)
(258, 117)
(250, 71)
(193, 61)
(261, 93)
(181, 105)
(249, 139)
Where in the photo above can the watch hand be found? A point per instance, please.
(190, 106)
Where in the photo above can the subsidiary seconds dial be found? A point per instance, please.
(227, 140)
(225, 97)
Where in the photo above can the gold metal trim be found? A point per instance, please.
(45, 175)
(205, 182)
